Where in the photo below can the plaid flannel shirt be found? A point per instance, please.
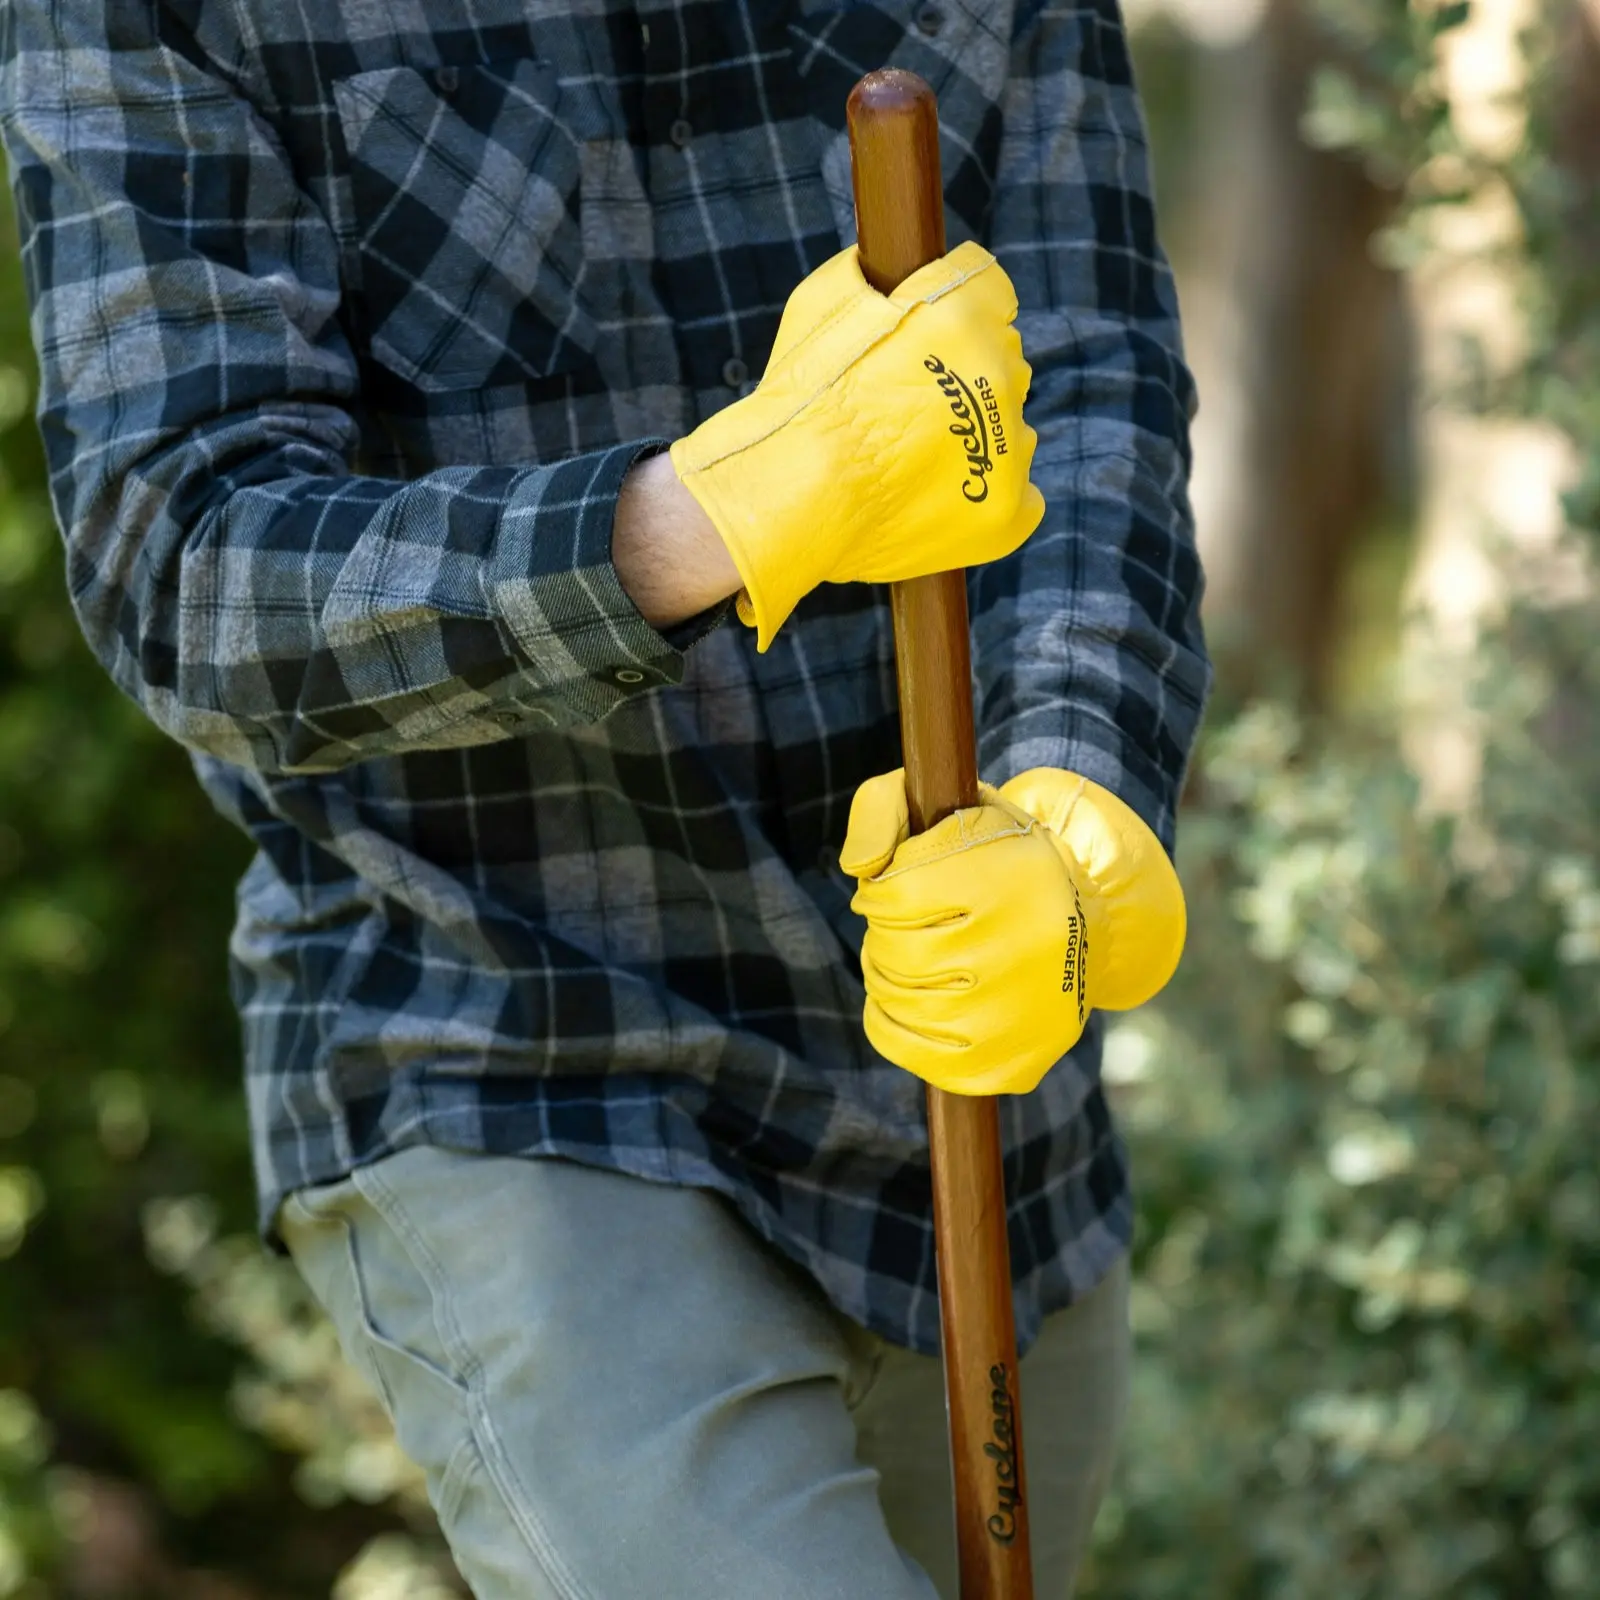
(352, 319)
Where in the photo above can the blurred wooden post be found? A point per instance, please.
(1297, 337)
(894, 136)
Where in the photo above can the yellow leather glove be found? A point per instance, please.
(885, 440)
(992, 936)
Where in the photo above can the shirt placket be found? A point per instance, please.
(699, 79)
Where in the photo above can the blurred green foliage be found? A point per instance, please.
(1365, 1123)
(119, 1085)
(1364, 1117)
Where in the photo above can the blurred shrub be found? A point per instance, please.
(1365, 1115)
(1364, 1121)
(119, 1085)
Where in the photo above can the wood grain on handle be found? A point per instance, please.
(894, 140)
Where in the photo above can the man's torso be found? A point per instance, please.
(559, 228)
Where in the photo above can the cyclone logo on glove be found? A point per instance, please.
(977, 417)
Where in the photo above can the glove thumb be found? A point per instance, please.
(879, 824)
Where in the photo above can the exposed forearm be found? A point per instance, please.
(668, 555)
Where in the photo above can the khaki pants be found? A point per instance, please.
(619, 1393)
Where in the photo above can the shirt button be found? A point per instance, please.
(681, 132)
(735, 373)
(930, 19)
(447, 80)
(629, 675)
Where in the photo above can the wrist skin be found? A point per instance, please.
(669, 557)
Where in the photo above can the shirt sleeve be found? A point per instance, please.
(1087, 643)
(262, 601)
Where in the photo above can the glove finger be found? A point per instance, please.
(919, 953)
(1031, 512)
(1021, 383)
(1024, 367)
(891, 913)
(926, 1054)
(1030, 444)
(879, 823)
(929, 888)
(945, 1059)
(892, 984)
(944, 1056)
(1012, 535)
(938, 1016)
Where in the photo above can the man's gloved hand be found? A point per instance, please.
(991, 936)
(885, 441)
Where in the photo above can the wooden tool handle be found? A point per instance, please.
(894, 142)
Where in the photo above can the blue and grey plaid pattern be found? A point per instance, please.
(352, 318)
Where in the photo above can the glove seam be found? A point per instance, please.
(1015, 831)
(990, 260)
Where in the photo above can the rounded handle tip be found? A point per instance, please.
(893, 118)
(890, 92)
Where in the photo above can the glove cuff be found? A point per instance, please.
(772, 588)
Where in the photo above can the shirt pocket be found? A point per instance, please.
(464, 193)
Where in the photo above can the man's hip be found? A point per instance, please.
(616, 1390)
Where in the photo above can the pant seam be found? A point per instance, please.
(497, 1464)
(455, 1477)
(873, 1362)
